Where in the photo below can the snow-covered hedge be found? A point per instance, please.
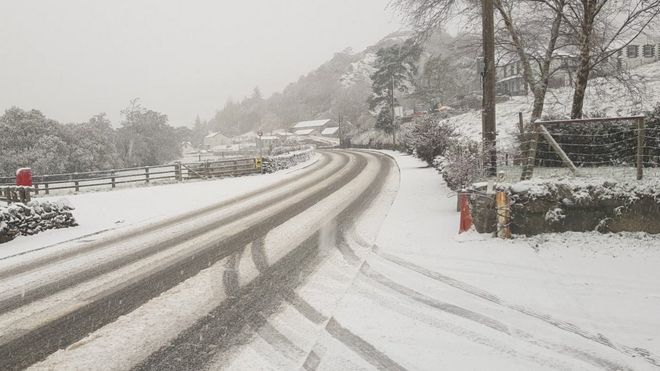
(274, 163)
(35, 217)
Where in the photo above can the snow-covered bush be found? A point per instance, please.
(461, 164)
(431, 138)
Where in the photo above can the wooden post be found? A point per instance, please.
(46, 186)
(640, 148)
(521, 123)
(503, 215)
(177, 172)
(112, 179)
(488, 123)
(553, 143)
(146, 174)
(77, 186)
(36, 188)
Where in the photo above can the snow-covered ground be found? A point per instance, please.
(104, 211)
(414, 295)
(430, 299)
(425, 298)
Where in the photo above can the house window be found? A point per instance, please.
(648, 51)
(632, 51)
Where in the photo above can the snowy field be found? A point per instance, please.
(104, 211)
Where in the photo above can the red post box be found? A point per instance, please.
(24, 177)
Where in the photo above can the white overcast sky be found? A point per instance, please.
(72, 59)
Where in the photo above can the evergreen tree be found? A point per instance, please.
(396, 68)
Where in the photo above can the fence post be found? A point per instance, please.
(77, 186)
(112, 179)
(177, 171)
(46, 186)
(503, 215)
(146, 173)
(36, 188)
(640, 148)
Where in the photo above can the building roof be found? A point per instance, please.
(310, 124)
(304, 132)
(329, 131)
(213, 135)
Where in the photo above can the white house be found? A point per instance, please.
(216, 140)
(316, 127)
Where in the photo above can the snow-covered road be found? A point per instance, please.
(344, 264)
(422, 298)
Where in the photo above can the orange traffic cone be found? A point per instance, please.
(466, 215)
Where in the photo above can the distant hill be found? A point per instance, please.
(340, 86)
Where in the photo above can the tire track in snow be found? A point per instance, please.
(26, 296)
(566, 326)
(134, 232)
(225, 328)
(28, 347)
(599, 362)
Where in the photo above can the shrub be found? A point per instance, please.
(461, 164)
(431, 138)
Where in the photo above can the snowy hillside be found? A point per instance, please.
(604, 98)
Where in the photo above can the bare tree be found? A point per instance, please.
(604, 27)
(522, 25)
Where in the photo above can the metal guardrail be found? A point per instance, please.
(111, 178)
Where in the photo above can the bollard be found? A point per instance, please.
(466, 215)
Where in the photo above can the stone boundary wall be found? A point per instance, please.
(37, 216)
(275, 163)
(554, 207)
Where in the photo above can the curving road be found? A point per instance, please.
(260, 245)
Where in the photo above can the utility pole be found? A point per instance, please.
(392, 111)
(341, 144)
(488, 104)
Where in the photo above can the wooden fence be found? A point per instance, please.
(11, 194)
(112, 178)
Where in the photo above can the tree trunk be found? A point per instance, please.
(582, 78)
(581, 82)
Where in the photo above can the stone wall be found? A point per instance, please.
(37, 216)
(538, 207)
(274, 163)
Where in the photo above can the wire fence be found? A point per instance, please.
(618, 148)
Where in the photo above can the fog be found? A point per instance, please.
(72, 59)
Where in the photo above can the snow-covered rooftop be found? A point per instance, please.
(310, 124)
(329, 131)
(213, 135)
(303, 132)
